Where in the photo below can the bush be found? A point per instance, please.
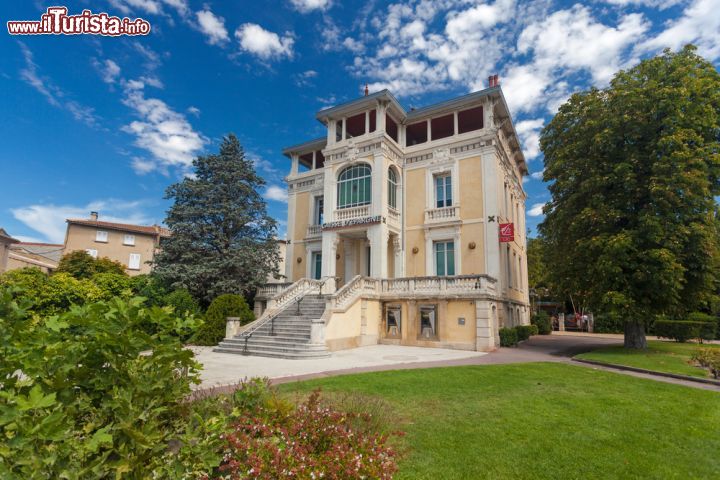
(682, 331)
(112, 285)
(508, 337)
(543, 323)
(149, 287)
(525, 331)
(88, 394)
(708, 358)
(213, 330)
(182, 302)
(608, 323)
(706, 317)
(312, 441)
(81, 265)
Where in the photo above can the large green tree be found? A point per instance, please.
(223, 240)
(633, 171)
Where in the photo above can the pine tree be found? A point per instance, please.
(223, 240)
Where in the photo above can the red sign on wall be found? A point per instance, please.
(507, 232)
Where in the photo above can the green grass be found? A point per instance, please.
(540, 420)
(668, 357)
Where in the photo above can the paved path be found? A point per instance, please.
(227, 369)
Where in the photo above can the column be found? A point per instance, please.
(329, 250)
(295, 159)
(349, 251)
(378, 238)
(485, 326)
(397, 250)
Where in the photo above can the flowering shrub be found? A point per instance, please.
(708, 358)
(312, 441)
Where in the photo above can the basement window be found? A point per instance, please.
(391, 127)
(442, 127)
(416, 133)
(355, 125)
(428, 322)
(393, 321)
(471, 119)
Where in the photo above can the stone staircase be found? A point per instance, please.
(287, 336)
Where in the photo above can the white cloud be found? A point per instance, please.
(659, 4)
(567, 42)
(52, 93)
(163, 132)
(529, 133)
(699, 24)
(536, 210)
(109, 70)
(538, 175)
(152, 7)
(305, 6)
(274, 192)
(49, 220)
(263, 43)
(212, 26)
(194, 110)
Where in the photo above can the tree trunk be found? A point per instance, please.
(635, 335)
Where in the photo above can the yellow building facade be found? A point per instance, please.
(395, 217)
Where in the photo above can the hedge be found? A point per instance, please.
(608, 323)
(543, 323)
(213, 330)
(525, 331)
(508, 337)
(682, 331)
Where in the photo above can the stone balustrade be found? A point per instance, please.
(352, 212)
(443, 214)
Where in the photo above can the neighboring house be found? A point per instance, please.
(44, 256)
(5, 242)
(411, 222)
(132, 245)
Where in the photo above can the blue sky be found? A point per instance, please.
(107, 123)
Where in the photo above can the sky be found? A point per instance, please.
(107, 123)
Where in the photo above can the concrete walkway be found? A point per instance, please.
(222, 369)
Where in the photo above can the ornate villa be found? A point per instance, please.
(404, 227)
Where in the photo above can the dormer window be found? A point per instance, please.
(442, 127)
(470, 119)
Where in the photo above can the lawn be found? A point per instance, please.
(540, 420)
(669, 357)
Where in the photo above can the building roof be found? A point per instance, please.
(124, 227)
(5, 238)
(51, 252)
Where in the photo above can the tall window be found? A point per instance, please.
(354, 186)
(317, 265)
(428, 321)
(134, 261)
(443, 190)
(444, 258)
(392, 188)
(319, 210)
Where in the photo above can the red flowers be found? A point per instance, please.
(310, 442)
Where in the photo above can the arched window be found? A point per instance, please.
(392, 188)
(354, 186)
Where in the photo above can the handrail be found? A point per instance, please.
(294, 292)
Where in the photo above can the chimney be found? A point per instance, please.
(490, 80)
(366, 90)
(496, 80)
(94, 216)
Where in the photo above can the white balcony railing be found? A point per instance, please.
(443, 214)
(314, 230)
(393, 215)
(352, 212)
